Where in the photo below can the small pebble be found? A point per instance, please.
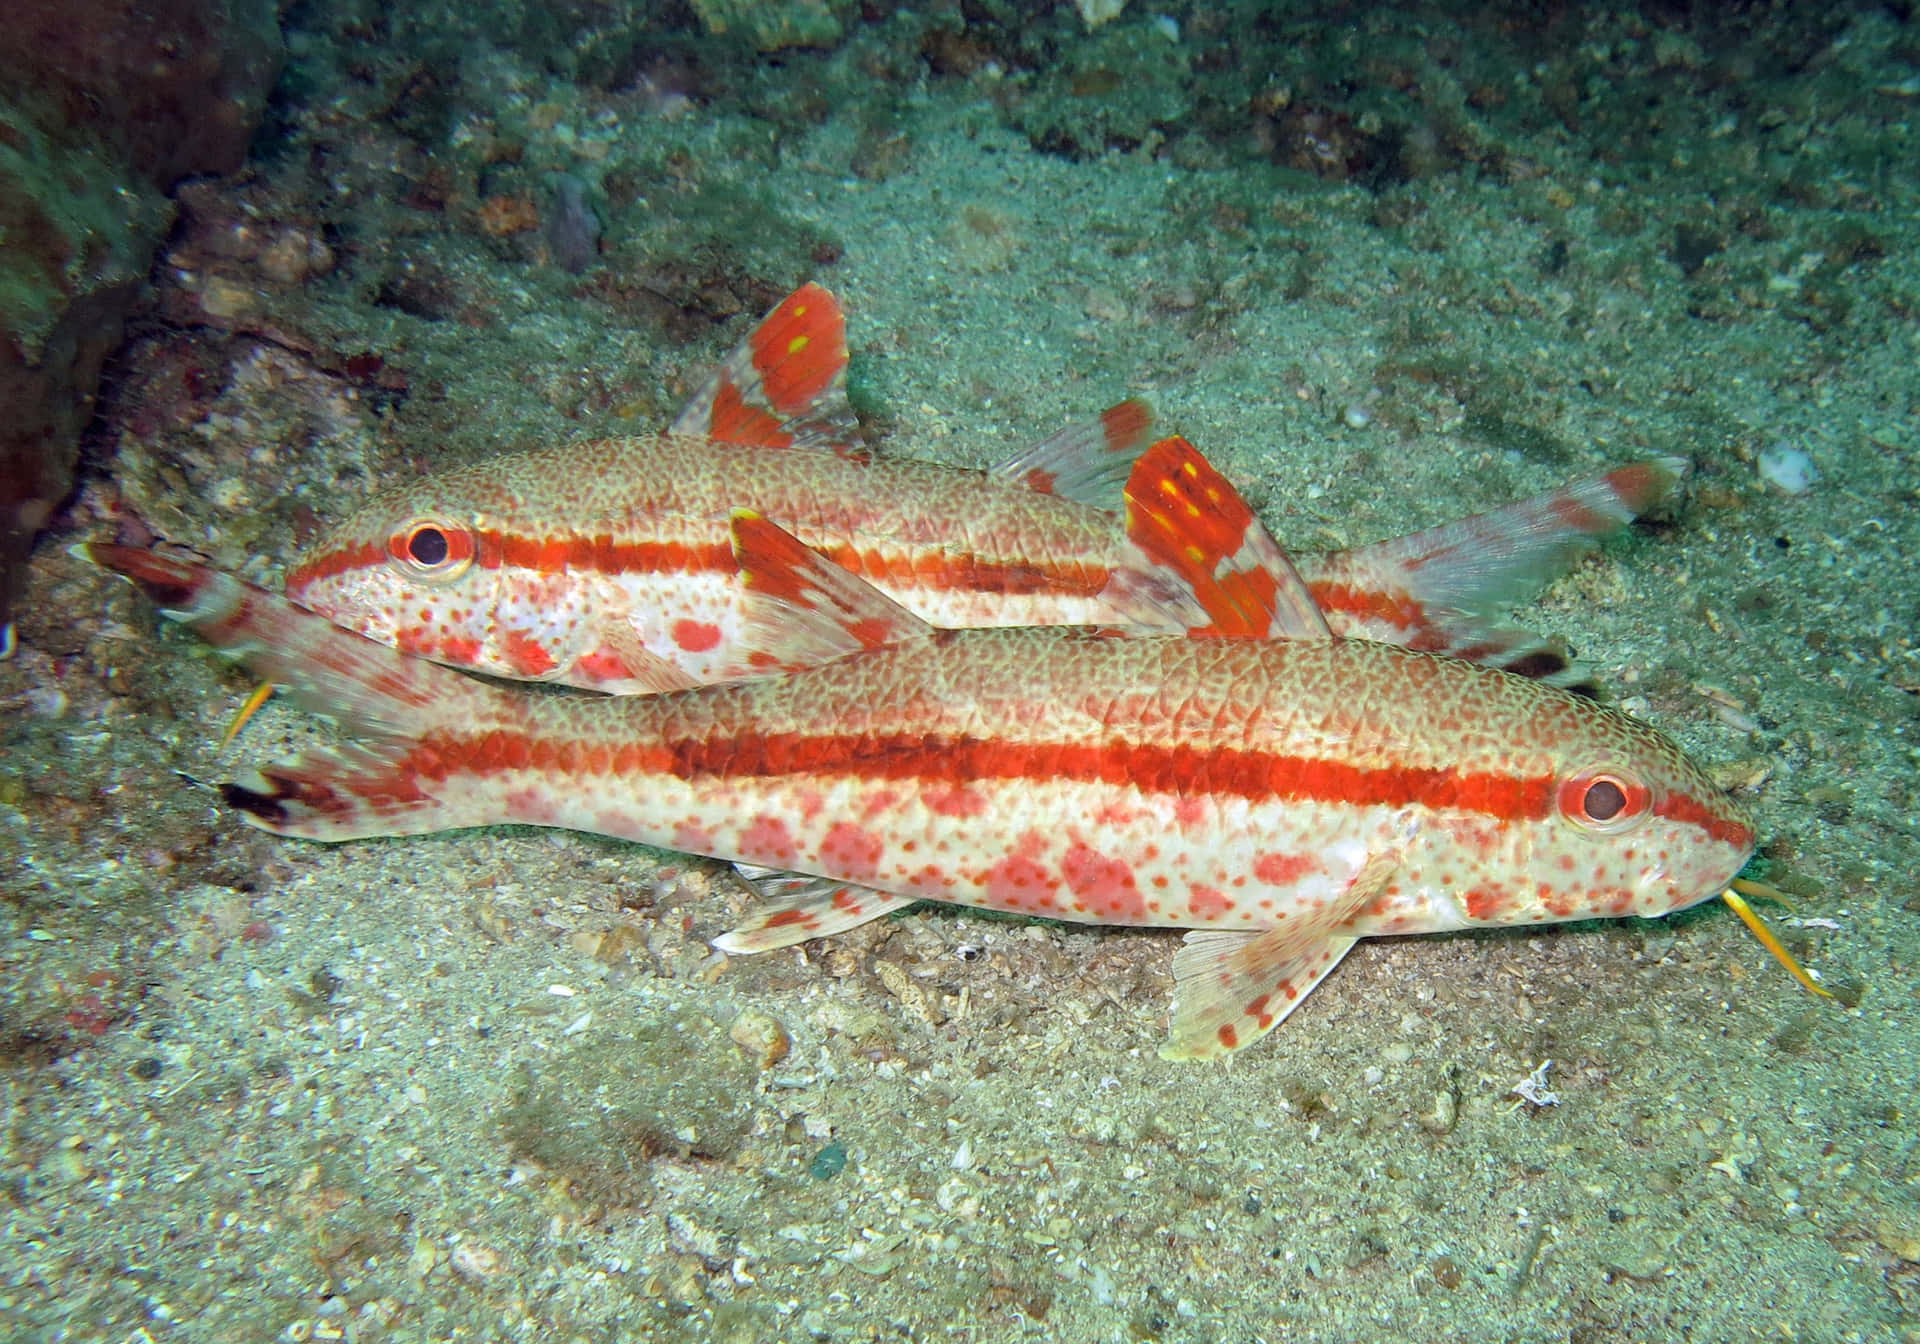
(828, 1162)
(762, 1036)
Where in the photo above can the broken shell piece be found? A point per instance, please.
(762, 1036)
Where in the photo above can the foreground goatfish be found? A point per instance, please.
(609, 564)
(1280, 793)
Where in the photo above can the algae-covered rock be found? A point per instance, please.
(1117, 89)
(104, 105)
(772, 25)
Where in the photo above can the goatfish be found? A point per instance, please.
(1276, 791)
(608, 564)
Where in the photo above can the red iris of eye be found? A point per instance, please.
(429, 548)
(1604, 799)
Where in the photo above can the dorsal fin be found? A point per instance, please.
(804, 610)
(1086, 462)
(1186, 519)
(785, 384)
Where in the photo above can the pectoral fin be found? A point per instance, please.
(1230, 989)
(802, 609)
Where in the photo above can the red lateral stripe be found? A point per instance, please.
(1691, 811)
(934, 570)
(1183, 770)
(552, 555)
(1189, 771)
(331, 564)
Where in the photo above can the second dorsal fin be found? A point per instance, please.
(1086, 462)
(786, 384)
(1187, 520)
(802, 609)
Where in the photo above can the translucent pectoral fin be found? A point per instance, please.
(1230, 989)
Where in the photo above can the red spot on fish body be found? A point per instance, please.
(693, 838)
(1208, 903)
(603, 664)
(1018, 883)
(1104, 885)
(767, 841)
(954, 801)
(852, 852)
(695, 636)
(1190, 811)
(460, 651)
(1484, 905)
(878, 802)
(533, 806)
(526, 655)
(1283, 870)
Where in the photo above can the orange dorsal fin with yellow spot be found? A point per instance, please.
(785, 385)
(1190, 524)
(1088, 461)
(802, 609)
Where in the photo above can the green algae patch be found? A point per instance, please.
(71, 223)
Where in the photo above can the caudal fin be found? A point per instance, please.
(391, 780)
(1442, 590)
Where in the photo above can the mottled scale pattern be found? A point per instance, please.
(606, 564)
(586, 545)
(1290, 795)
(1075, 774)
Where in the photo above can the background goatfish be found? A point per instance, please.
(608, 564)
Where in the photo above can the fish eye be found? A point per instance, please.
(438, 550)
(1608, 799)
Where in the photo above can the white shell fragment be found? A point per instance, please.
(1787, 469)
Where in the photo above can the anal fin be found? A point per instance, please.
(1230, 989)
(795, 908)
